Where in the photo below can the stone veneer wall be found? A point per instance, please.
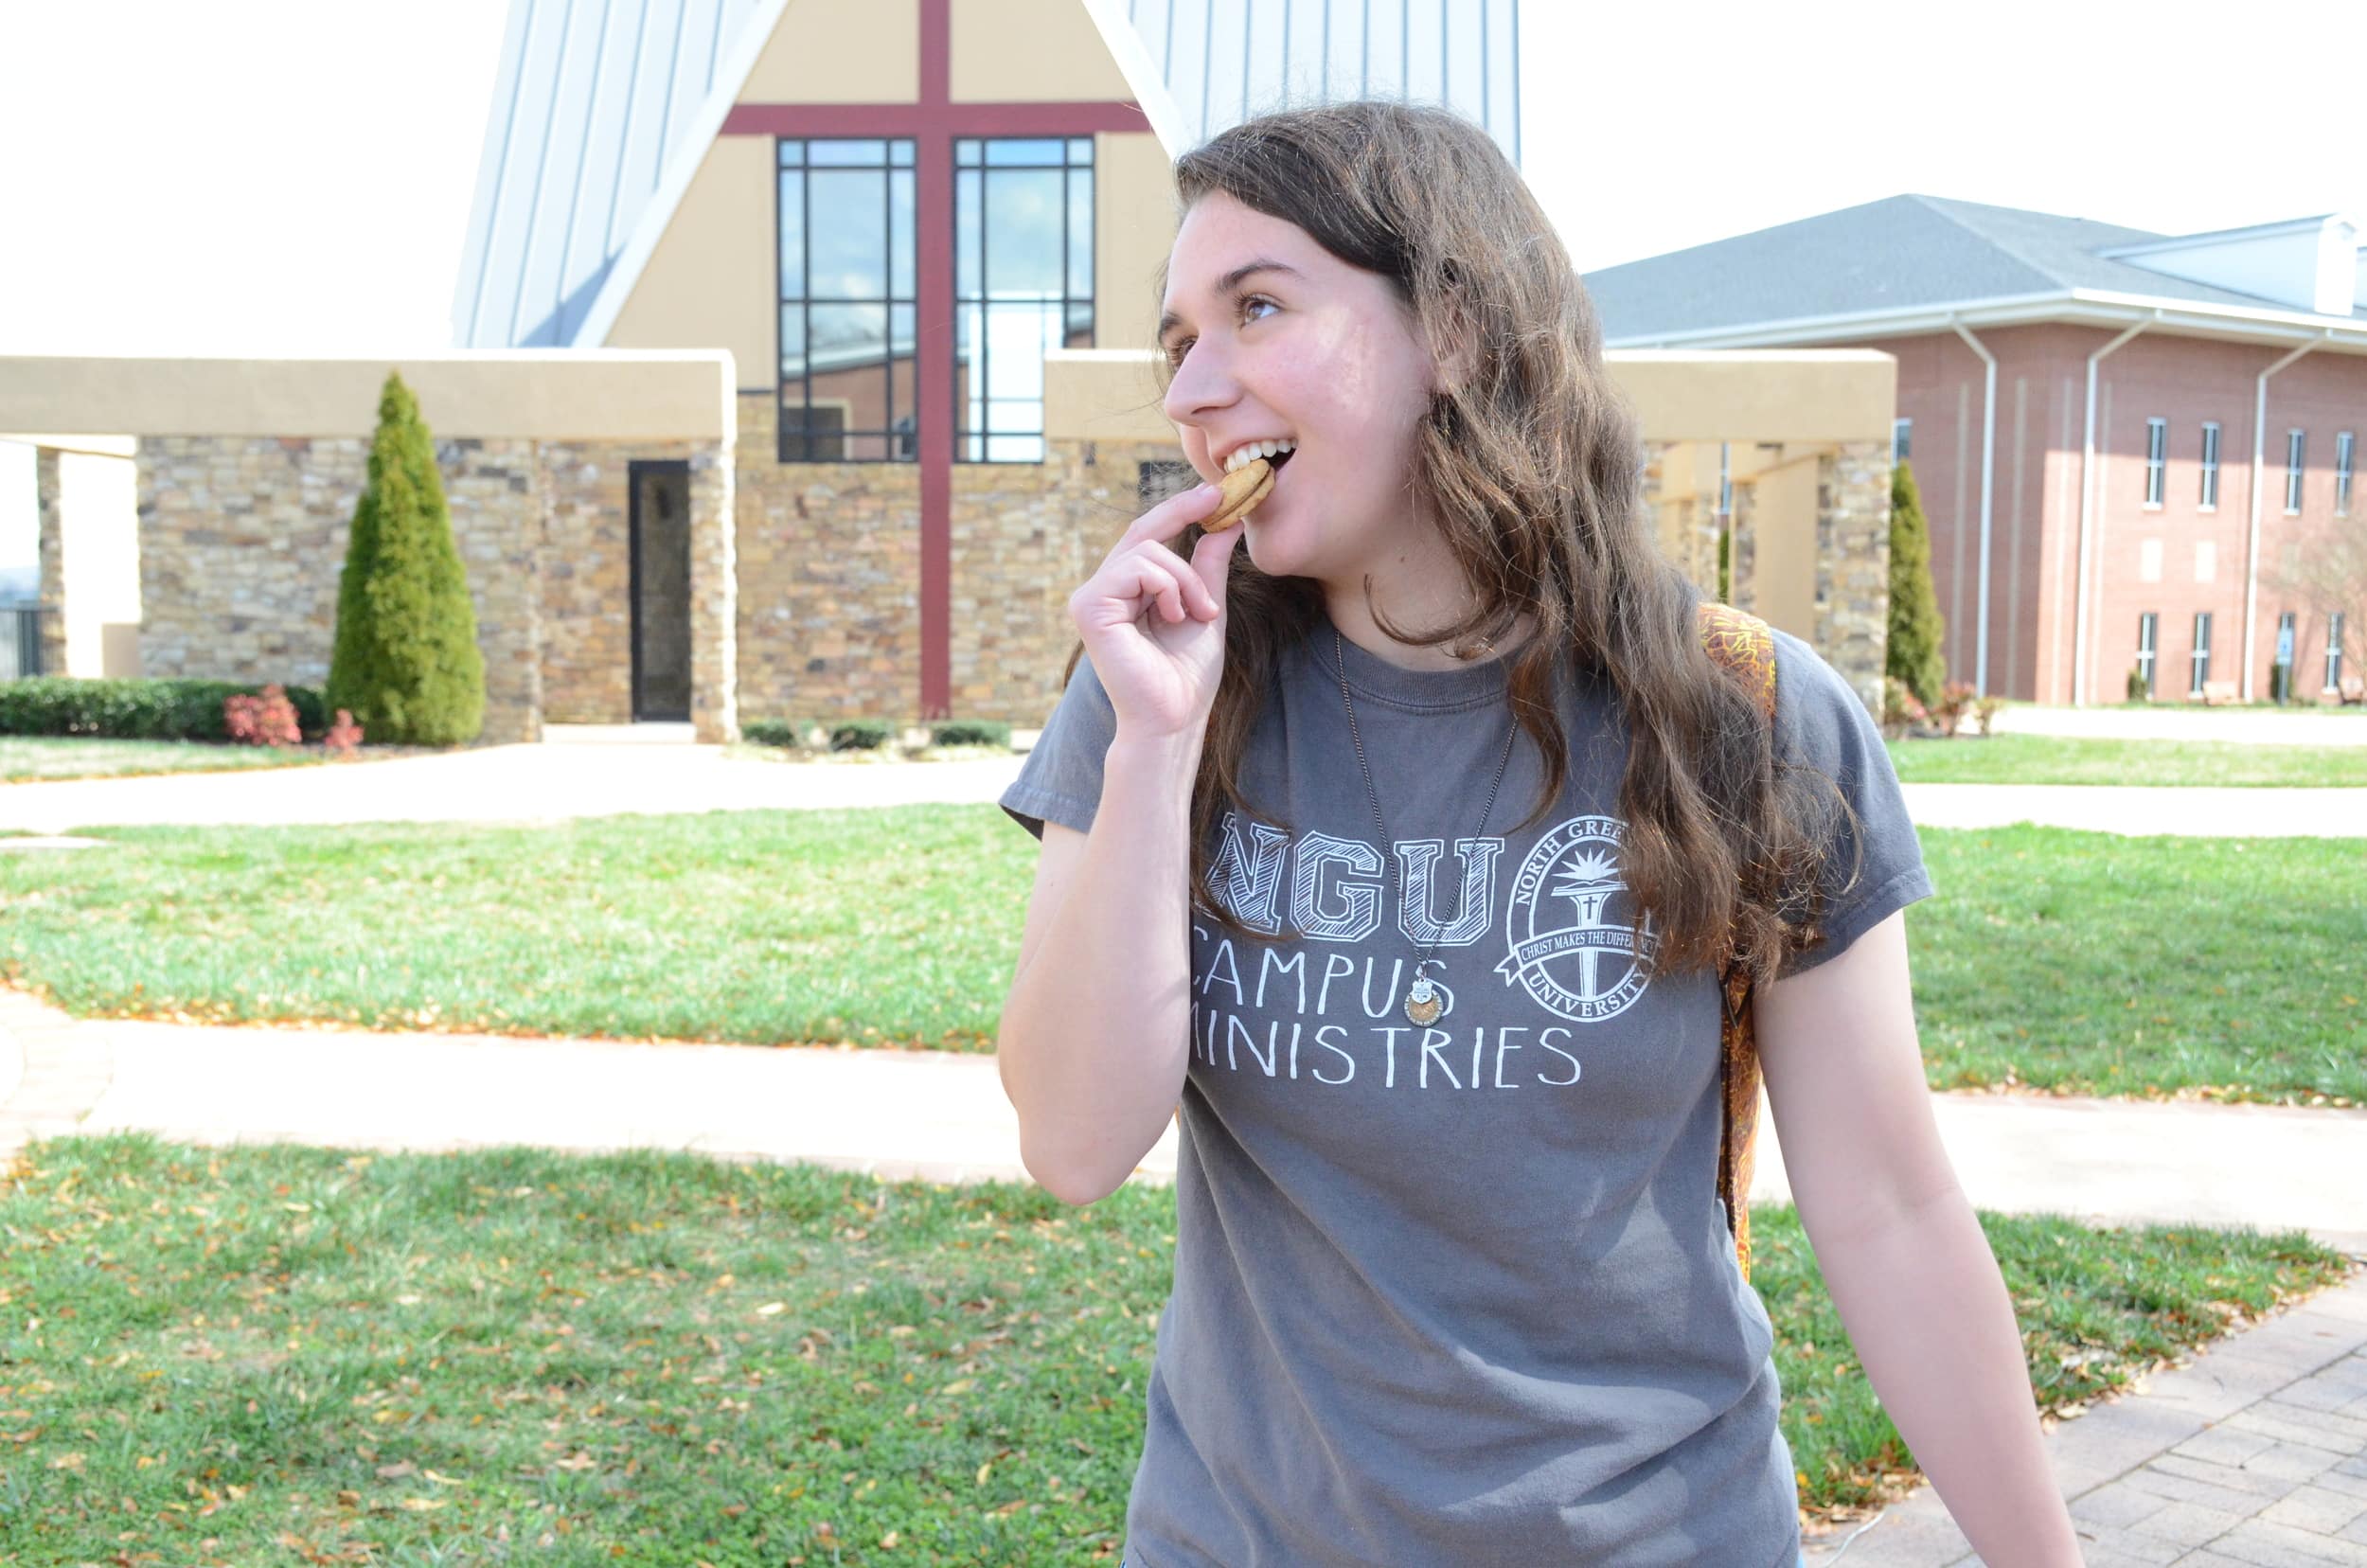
(829, 581)
(50, 550)
(242, 541)
(1853, 564)
(587, 579)
(1025, 537)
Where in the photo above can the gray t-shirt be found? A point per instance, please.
(1458, 1295)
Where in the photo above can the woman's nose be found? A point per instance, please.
(1202, 383)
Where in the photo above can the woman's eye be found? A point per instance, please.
(1175, 355)
(1256, 300)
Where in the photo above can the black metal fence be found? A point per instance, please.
(20, 640)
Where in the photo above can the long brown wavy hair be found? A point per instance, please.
(1533, 467)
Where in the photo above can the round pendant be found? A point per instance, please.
(1427, 1001)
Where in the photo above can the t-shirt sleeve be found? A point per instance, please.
(1061, 780)
(1821, 724)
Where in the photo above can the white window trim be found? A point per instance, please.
(2209, 486)
(2157, 468)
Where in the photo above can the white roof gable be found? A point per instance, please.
(602, 110)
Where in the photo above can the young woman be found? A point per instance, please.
(1398, 860)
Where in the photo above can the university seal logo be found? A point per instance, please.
(1571, 935)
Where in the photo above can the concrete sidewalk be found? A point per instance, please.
(558, 782)
(943, 1116)
(2258, 1448)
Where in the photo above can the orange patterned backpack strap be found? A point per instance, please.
(1744, 646)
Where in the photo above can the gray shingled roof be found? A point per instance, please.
(1895, 253)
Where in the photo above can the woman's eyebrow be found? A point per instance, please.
(1168, 320)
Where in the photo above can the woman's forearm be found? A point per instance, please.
(1095, 1036)
(1933, 1326)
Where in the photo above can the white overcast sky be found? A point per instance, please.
(293, 176)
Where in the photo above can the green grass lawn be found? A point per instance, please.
(25, 757)
(2058, 759)
(2078, 962)
(286, 1354)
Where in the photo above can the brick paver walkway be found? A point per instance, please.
(2255, 1455)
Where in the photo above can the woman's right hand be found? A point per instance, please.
(1153, 622)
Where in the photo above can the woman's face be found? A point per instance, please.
(1271, 337)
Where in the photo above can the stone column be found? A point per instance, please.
(50, 546)
(714, 596)
(1853, 572)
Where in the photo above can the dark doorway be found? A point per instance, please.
(661, 590)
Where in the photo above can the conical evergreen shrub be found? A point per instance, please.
(406, 661)
(1915, 626)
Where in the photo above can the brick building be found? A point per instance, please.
(2219, 380)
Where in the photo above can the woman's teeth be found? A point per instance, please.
(1249, 452)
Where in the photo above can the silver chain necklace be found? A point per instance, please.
(1426, 1001)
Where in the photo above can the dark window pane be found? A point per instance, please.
(1080, 150)
(792, 235)
(965, 235)
(900, 152)
(1023, 229)
(793, 448)
(793, 152)
(849, 349)
(855, 154)
(900, 235)
(793, 341)
(966, 153)
(848, 242)
(1008, 152)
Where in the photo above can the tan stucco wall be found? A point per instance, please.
(1030, 51)
(1784, 560)
(1134, 228)
(552, 393)
(842, 51)
(1758, 394)
(709, 281)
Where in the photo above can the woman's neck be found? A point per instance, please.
(1355, 622)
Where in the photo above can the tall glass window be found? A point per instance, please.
(850, 383)
(1902, 441)
(1022, 284)
(2211, 465)
(2202, 655)
(2345, 453)
(2334, 650)
(2157, 458)
(2147, 623)
(2292, 472)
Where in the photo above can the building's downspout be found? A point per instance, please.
(2259, 454)
(1988, 463)
(2087, 510)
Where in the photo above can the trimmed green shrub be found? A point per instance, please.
(139, 711)
(770, 732)
(860, 733)
(969, 732)
(1913, 652)
(406, 660)
(2136, 684)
